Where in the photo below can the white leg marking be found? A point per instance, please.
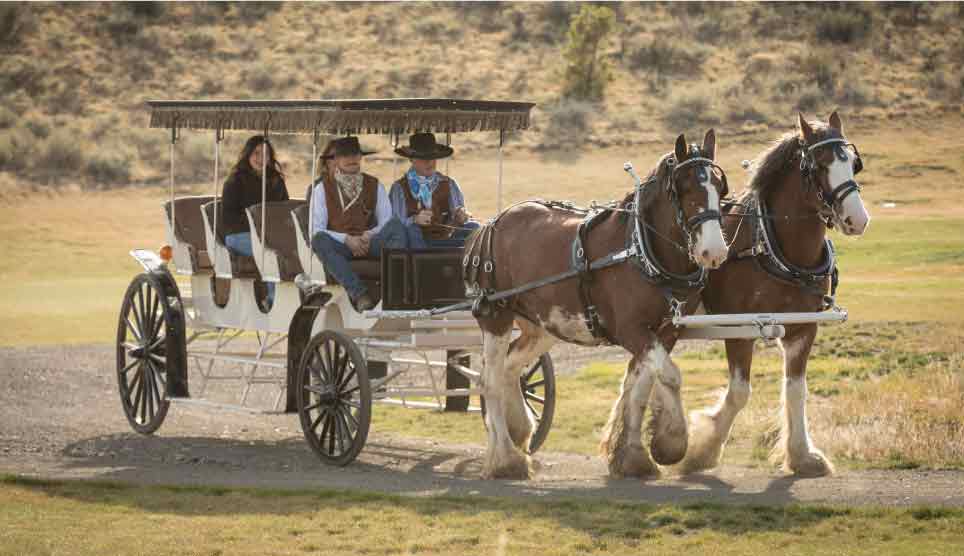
(501, 457)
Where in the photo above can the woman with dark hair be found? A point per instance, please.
(242, 189)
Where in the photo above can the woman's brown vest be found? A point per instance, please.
(441, 212)
(360, 217)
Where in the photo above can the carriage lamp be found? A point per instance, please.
(165, 253)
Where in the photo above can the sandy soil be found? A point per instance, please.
(60, 417)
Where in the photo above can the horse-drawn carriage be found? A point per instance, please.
(327, 361)
(647, 274)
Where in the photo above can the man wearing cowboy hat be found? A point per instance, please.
(430, 204)
(351, 217)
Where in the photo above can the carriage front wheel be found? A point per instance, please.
(538, 385)
(150, 339)
(334, 397)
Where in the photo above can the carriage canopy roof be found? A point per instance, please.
(342, 117)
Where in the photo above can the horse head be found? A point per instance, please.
(829, 164)
(696, 186)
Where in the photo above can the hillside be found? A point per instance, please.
(74, 77)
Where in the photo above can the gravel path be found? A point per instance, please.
(60, 417)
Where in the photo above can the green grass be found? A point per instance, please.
(43, 517)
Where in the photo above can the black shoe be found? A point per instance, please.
(364, 303)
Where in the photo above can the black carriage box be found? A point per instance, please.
(421, 278)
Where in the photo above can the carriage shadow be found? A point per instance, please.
(285, 467)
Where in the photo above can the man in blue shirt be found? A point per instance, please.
(429, 203)
(351, 217)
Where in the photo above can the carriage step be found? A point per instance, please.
(198, 402)
(765, 332)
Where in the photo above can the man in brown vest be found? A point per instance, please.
(351, 217)
(429, 203)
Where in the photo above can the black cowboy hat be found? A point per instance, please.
(345, 146)
(423, 146)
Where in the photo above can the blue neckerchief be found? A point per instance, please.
(422, 187)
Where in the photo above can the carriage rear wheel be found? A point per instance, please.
(334, 397)
(538, 385)
(149, 335)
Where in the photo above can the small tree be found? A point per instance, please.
(586, 70)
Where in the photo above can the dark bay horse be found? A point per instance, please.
(780, 261)
(676, 223)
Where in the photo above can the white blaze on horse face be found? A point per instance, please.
(851, 215)
(710, 248)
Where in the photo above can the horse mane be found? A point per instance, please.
(772, 163)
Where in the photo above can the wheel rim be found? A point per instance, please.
(538, 392)
(335, 400)
(142, 356)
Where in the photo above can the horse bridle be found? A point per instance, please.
(808, 167)
(703, 166)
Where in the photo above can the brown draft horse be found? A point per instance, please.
(533, 240)
(780, 262)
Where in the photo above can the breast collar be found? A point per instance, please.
(765, 250)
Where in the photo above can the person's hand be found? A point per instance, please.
(357, 245)
(367, 236)
(424, 217)
(462, 216)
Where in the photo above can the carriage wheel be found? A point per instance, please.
(149, 334)
(334, 398)
(539, 394)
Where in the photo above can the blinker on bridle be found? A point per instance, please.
(808, 165)
(702, 173)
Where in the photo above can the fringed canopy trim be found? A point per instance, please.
(343, 117)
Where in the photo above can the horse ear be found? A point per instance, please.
(835, 122)
(680, 148)
(805, 129)
(709, 144)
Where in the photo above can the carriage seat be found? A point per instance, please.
(282, 237)
(189, 231)
(241, 266)
(368, 269)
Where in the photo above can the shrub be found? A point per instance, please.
(109, 167)
(60, 154)
(200, 41)
(8, 118)
(17, 146)
(569, 123)
(809, 98)
(587, 71)
(195, 157)
(664, 58)
(843, 26)
(259, 80)
(13, 22)
(689, 109)
(854, 93)
(820, 67)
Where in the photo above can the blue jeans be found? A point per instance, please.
(240, 244)
(457, 239)
(336, 255)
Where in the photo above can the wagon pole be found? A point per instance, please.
(499, 190)
(174, 137)
(265, 149)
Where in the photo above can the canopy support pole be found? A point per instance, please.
(311, 195)
(448, 143)
(394, 156)
(499, 190)
(218, 136)
(174, 136)
(265, 149)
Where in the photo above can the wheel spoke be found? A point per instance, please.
(347, 436)
(354, 421)
(329, 362)
(149, 385)
(330, 422)
(530, 387)
(343, 366)
(343, 384)
(533, 370)
(324, 429)
(339, 434)
(159, 380)
(535, 398)
(130, 366)
(134, 389)
(133, 329)
(312, 406)
(348, 392)
(352, 403)
(141, 312)
(533, 410)
(156, 319)
(321, 414)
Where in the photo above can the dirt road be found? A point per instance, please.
(60, 417)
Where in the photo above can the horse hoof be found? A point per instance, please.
(813, 464)
(635, 462)
(519, 468)
(669, 449)
(705, 448)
